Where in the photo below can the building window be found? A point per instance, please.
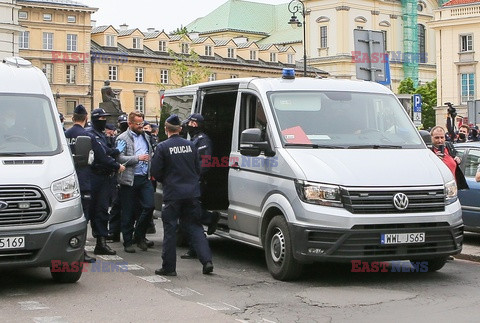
(233, 76)
(22, 15)
(466, 43)
(140, 103)
(48, 41)
(110, 41)
(71, 104)
(212, 77)
(291, 59)
(162, 46)
(136, 43)
(112, 73)
(72, 19)
(47, 68)
(24, 40)
(231, 52)
(421, 43)
(71, 43)
(47, 16)
(164, 76)
(273, 57)
(208, 50)
(189, 78)
(185, 48)
(139, 75)
(468, 87)
(71, 74)
(323, 37)
(253, 55)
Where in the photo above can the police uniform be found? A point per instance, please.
(177, 166)
(103, 167)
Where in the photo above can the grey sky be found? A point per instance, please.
(160, 14)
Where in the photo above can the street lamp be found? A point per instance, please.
(298, 6)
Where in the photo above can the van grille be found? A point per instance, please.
(371, 201)
(22, 205)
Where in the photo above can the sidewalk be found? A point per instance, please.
(471, 247)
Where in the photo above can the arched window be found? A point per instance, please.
(421, 43)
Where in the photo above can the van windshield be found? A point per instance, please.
(342, 120)
(27, 126)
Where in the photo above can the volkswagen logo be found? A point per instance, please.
(400, 200)
(3, 205)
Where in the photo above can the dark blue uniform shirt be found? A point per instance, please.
(83, 172)
(204, 147)
(177, 166)
(104, 163)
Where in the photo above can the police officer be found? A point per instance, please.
(83, 172)
(103, 168)
(202, 142)
(177, 166)
(114, 217)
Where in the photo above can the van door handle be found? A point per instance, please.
(236, 166)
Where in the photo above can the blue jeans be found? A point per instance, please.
(188, 211)
(141, 191)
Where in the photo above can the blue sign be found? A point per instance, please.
(417, 103)
(387, 72)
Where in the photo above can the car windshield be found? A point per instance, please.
(27, 126)
(342, 120)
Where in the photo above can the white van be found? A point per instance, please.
(41, 217)
(315, 170)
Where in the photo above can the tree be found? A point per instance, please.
(187, 68)
(180, 31)
(428, 91)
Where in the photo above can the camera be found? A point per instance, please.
(451, 110)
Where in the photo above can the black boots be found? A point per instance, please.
(102, 248)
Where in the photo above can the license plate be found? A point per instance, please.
(400, 238)
(12, 243)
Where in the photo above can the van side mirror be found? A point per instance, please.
(251, 143)
(83, 146)
(427, 138)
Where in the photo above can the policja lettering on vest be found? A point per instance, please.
(180, 150)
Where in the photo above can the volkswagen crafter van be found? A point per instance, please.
(316, 170)
(41, 217)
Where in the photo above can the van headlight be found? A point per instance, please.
(66, 188)
(315, 193)
(450, 192)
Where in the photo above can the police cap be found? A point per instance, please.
(99, 112)
(122, 118)
(110, 126)
(80, 109)
(173, 120)
(197, 117)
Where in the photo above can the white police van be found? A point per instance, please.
(315, 170)
(41, 217)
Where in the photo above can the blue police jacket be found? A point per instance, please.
(103, 163)
(83, 172)
(204, 147)
(176, 165)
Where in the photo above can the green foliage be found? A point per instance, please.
(187, 68)
(428, 91)
(179, 31)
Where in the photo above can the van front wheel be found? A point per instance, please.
(278, 251)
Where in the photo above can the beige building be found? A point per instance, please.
(57, 40)
(457, 26)
(9, 28)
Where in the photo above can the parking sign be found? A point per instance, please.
(417, 109)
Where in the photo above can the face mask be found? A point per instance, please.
(192, 131)
(99, 125)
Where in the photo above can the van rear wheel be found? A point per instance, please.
(278, 251)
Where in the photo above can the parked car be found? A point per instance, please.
(470, 199)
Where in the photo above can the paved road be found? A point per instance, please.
(241, 290)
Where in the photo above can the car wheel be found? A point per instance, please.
(278, 251)
(435, 264)
(69, 276)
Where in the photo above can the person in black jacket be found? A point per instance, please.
(177, 166)
(103, 168)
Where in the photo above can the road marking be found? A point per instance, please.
(154, 279)
(32, 306)
(89, 248)
(248, 321)
(49, 319)
(183, 291)
(110, 258)
(130, 267)
(15, 293)
(219, 306)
